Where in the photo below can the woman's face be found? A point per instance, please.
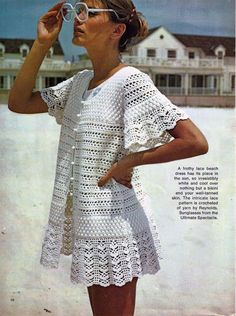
(96, 30)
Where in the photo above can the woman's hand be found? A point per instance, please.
(120, 172)
(49, 26)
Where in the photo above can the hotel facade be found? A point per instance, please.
(192, 70)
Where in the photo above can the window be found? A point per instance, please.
(197, 81)
(171, 53)
(1, 52)
(151, 52)
(49, 53)
(168, 80)
(191, 55)
(204, 81)
(12, 79)
(24, 52)
(3, 82)
(52, 81)
(174, 81)
(233, 82)
(220, 55)
(161, 80)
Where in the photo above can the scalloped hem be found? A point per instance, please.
(141, 135)
(138, 275)
(78, 281)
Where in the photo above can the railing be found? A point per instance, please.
(191, 91)
(86, 63)
(203, 91)
(185, 63)
(172, 90)
(131, 60)
(46, 65)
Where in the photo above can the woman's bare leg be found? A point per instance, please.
(113, 300)
(90, 298)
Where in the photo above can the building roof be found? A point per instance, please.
(12, 45)
(207, 43)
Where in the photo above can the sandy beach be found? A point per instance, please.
(197, 272)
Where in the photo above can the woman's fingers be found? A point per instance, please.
(57, 6)
(119, 174)
(49, 25)
(49, 16)
(53, 12)
(126, 184)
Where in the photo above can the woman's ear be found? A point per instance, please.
(118, 31)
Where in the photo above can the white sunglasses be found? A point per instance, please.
(80, 11)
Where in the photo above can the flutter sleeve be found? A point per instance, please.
(56, 98)
(148, 114)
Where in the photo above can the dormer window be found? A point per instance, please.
(24, 50)
(50, 53)
(220, 55)
(220, 52)
(191, 55)
(2, 50)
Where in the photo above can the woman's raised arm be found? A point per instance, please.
(22, 99)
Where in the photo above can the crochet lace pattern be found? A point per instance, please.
(109, 231)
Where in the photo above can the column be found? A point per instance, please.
(186, 83)
(218, 84)
(40, 82)
(151, 75)
(8, 85)
(210, 84)
(226, 82)
(221, 79)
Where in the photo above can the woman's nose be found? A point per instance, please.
(77, 22)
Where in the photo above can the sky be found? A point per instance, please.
(18, 18)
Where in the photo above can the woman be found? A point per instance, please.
(107, 115)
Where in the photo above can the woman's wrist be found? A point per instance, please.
(133, 159)
(41, 46)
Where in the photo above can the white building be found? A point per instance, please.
(12, 54)
(187, 65)
(192, 70)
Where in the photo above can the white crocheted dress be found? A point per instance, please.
(109, 231)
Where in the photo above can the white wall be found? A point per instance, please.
(162, 45)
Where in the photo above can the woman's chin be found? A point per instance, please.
(76, 41)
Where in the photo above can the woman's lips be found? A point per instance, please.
(76, 30)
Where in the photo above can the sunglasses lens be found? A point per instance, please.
(81, 11)
(67, 12)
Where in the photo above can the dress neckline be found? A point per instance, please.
(112, 76)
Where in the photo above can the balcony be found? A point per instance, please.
(52, 65)
(203, 91)
(81, 64)
(171, 90)
(60, 65)
(191, 91)
(178, 63)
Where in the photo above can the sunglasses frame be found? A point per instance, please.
(73, 9)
